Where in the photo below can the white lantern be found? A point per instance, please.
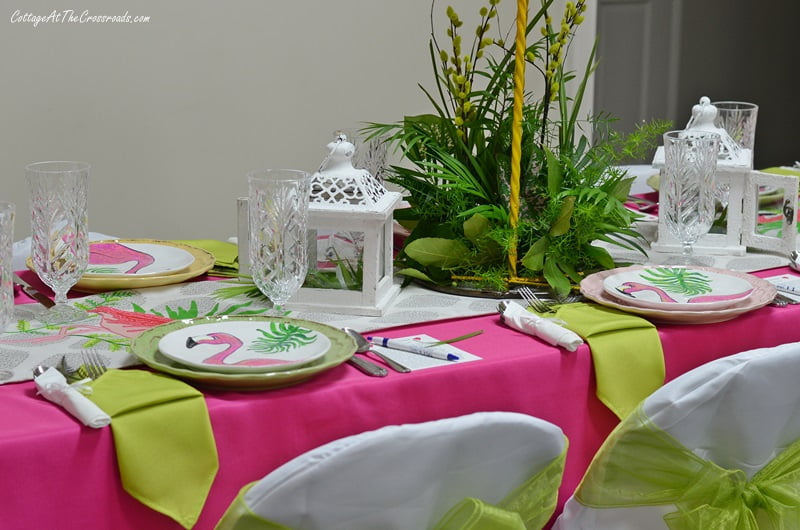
(350, 222)
(742, 187)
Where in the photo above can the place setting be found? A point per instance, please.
(245, 353)
(679, 294)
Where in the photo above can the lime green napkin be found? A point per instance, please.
(782, 171)
(626, 353)
(165, 447)
(226, 254)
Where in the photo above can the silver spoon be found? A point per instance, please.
(364, 365)
(364, 346)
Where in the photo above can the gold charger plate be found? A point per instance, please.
(763, 293)
(145, 347)
(203, 262)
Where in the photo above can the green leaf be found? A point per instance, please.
(557, 280)
(282, 337)
(415, 273)
(476, 228)
(554, 173)
(562, 222)
(534, 258)
(438, 252)
(601, 256)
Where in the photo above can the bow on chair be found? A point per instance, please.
(725, 499)
(645, 466)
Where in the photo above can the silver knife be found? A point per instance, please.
(32, 292)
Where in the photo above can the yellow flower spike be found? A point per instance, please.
(548, 20)
(554, 48)
(449, 32)
(492, 14)
(578, 20)
(479, 54)
(494, 2)
(452, 15)
(544, 31)
(468, 86)
(443, 56)
(500, 42)
(530, 56)
(467, 106)
(462, 95)
(484, 11)
(459, 121)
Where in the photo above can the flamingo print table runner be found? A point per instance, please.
(114, 317)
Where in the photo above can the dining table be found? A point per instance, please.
(58, 473)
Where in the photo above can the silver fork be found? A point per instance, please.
(535, 303)
(781, 301)
(93, 363)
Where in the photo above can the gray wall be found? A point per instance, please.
(173, 113)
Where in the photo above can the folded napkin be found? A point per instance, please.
(626, 353)
(165, 447)
(547, 329)
(53, 385)
(226, 255)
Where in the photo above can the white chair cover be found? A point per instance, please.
(406, 476)
(738, 412)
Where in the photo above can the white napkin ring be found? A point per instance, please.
(53, 386)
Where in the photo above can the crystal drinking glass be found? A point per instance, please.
(738, 118)
(59, 247)
(278, 213)
(687, 202)
(7, 211)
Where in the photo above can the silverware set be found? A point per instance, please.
(782, 300)
(93, 365)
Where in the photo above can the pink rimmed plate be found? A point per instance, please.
(763, 293)
(670, 288)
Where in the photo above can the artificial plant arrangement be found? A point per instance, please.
(458, 180)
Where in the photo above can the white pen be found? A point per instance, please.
(787, 288)
(412, 346)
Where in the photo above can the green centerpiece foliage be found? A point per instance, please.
(459, 173)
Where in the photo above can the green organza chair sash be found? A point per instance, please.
(528, 507)
(641, 465)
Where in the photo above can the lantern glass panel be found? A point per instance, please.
(336, 260)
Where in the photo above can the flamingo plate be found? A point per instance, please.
(254, 345)
(681, 288)
(136, 258)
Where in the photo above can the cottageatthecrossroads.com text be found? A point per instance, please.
(70, 16)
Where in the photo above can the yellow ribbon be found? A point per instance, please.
(641, 465)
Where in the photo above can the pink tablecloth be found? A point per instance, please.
(58, 474)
